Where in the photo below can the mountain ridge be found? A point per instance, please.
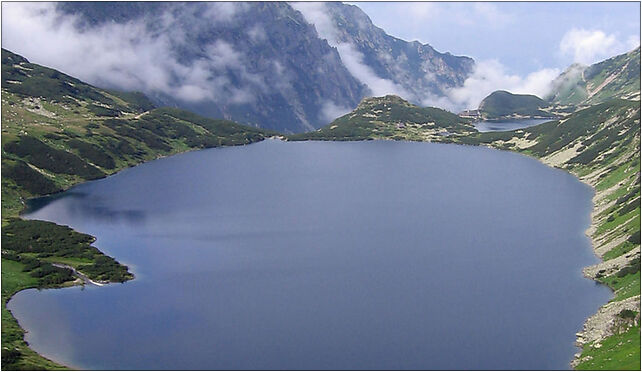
(281, 74)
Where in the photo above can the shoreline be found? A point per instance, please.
(592, 225)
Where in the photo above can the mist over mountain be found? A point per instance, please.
(384, 63)
(260, 63)
(616, 77)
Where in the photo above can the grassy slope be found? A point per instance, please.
(601, 146)
(57, 132)
(390, 117)
(617, 77)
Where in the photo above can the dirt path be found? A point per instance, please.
(82, 276)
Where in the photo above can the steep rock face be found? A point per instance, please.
(412, 70)
(264, 64)
(261, 63)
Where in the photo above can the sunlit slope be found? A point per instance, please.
(390, 117)
(617, 77)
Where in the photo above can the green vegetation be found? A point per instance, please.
(502, 104)
(390, 117)
(617, 77)
(16, 354)
(30, 242)
(569, 88)
(619, 352)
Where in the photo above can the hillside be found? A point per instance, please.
(390, 117)
(617, 77)
(503, 105)
(56, 132)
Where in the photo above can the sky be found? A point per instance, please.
(524, 37)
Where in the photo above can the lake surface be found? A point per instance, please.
(505, 125)
(321, 255)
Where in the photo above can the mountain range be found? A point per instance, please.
(287, 67)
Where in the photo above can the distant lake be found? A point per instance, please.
(322, 255)
(504, 125)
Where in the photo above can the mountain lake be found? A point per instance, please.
(325, 255)
(507, 125)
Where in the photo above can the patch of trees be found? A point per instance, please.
(29, 179)
(30, 241)
(93, 153)
(46, 157)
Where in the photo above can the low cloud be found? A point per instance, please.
(129, 55)
(590, 46)
(489, 76)
(316, 14)
(331, 111)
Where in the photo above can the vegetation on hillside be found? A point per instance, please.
(617, 77)
(390, 117)
(502, 104)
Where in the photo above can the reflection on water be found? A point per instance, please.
(507, 125)
(79, 204)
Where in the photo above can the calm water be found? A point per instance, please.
(504, 125)
(364, 255)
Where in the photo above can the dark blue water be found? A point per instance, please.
(506, 125)
(318, 255)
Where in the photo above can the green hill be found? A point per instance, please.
(502, 104)
(390, 117)
(617, 77)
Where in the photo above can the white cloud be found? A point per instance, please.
(633, 42)
(257, 33)
(489, 76)
(128, 55)
(590, 46)
(316, 14)
(331, 111)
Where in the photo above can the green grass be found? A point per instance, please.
(617, 175)
(16, 355)
(619, 352)
(621, 249)
(625, 287)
